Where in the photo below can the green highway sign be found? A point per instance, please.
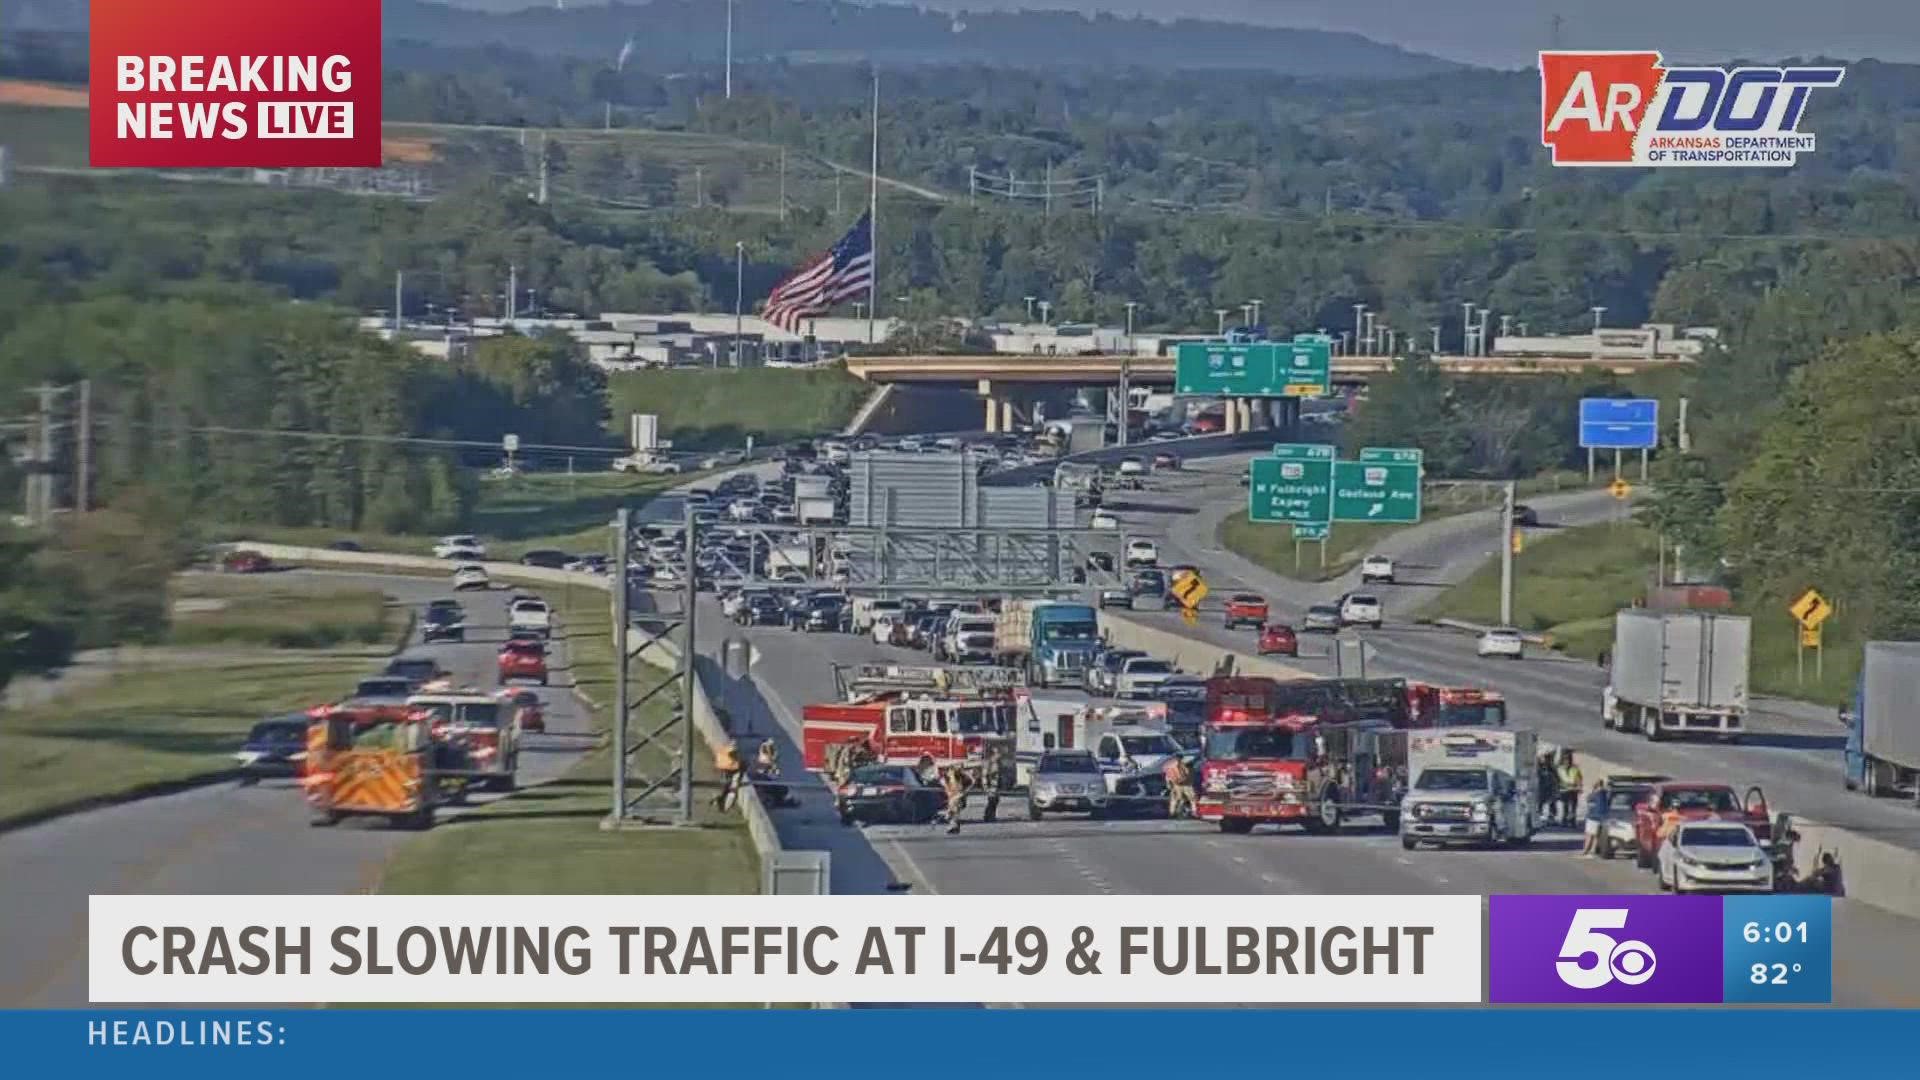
(1299, 368)
(1392, 453)
(1376, 491)
(1290, 491)
(1304, 531)
(1294, 451)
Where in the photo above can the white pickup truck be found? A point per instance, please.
(530, 613)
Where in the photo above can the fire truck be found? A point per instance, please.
(369, 763)
(1290, 753)
(904, 713)
(475, 737)
(1430, 706)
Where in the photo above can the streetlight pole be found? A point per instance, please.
(1255, 304)
(1597, 312)
(1466, 328)
(1373, 333)
(1126, 379)
(1030, 301)
(1359, 316)
(1220, 317)
(729, 50)
(739, 288)
(1436, 339)
(1131, 347)
(1045, 307)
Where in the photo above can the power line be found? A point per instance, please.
(396, 440)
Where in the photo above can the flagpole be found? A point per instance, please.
(873, 212)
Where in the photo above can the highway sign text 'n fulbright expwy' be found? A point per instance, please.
(1619, 423)
(1291, 490)
(1377, 491)
(1261, 369)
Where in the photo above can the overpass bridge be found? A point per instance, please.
(994, 375)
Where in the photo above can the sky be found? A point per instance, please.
(1507, 33)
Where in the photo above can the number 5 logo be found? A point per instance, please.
(1631, 962)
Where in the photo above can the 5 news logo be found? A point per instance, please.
(1625, 108)
(1604, 949)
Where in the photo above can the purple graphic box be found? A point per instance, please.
(1579, 950)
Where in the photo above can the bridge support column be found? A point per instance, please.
(1245, 405)
(1287, 419)
(1007, 415)
(1230, 418)
(993, 406)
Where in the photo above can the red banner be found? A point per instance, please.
(234, 83)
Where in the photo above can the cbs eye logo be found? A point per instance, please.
(1630, 962)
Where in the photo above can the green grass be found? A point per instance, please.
(268, 611)
(36, 135)
(547, 839)
(1568, 584)
(718, 408)
(514, 516)
(145, 730)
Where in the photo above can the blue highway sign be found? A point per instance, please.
(1619, 423)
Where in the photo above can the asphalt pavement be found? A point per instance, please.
(224, 838)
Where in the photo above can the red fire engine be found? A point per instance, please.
(905, 713)
(1276, 751)
(1430, 706)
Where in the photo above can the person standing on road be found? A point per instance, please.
(954, 782)
(1548, 781)
(726, 762)
(1571, 784)
(1179, 776)
(1596, 817)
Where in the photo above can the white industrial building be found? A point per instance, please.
(1649, 341)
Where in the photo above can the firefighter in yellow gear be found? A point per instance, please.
(954, 782)
(1179, 777)
(726, 762)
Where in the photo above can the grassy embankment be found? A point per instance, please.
(708, 409)
(162, 717)
(548, 840)
(534, 510)
(1570, 583)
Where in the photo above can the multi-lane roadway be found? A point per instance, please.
(226, 838)
(1069, 855)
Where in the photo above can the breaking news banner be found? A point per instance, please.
(184, 84)
(751, 949)
(1627, 109)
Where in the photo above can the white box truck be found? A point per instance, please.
(814, 510)
(1678, 673)
(1469, 785)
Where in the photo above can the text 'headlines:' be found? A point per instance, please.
(1085, 949)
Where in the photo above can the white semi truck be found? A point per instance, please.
(1678, 673)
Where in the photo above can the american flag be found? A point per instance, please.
(842, 272)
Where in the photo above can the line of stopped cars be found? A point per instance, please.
(411, 739)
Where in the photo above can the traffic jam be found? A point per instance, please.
(1031, 703)
(409, 739)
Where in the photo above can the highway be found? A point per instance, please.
(224, 838)
(1876, 951)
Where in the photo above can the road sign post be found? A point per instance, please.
(1810, 610)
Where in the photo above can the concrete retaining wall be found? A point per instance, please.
(766, 839)
(1872, 870)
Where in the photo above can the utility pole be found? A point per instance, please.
(83, 457)
(699, 188)
(40, 482)
(1506, 556)
(836, 193)
(399, 277)
(783, 185)
(513, 290)
(1126, 378)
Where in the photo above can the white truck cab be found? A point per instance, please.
(1469, 785)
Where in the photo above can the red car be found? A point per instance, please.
(1277, 639)
(527, 709)
(1669, 804)
(245, 562)
(523, 660)
(1246, 609)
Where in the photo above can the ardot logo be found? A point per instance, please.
(1604, 949)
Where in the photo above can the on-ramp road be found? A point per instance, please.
(229, 839)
